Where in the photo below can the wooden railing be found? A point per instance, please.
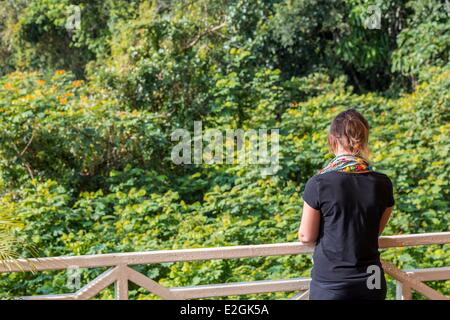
(121, 273)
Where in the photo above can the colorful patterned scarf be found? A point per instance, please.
(347, 163)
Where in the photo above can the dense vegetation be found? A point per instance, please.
(86, 117)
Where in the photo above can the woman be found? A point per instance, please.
(346, 207)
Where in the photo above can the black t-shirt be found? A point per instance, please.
(351, 206)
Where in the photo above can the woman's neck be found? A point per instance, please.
(342, 152)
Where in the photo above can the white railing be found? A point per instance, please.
(120, 272)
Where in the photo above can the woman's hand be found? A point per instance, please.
(309, 227)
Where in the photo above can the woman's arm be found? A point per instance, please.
(309, 227)
(384, 219)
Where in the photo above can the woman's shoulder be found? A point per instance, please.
(337, 175)
(381, 175)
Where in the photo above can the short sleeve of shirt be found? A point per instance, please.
(390, 194)
(311, 194)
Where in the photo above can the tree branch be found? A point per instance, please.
(204, 33)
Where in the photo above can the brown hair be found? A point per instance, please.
(351, 130)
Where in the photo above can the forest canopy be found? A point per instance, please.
(90, 92)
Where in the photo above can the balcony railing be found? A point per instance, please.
(120, 272)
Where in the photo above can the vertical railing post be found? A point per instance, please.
(121, 285)
(402, 291)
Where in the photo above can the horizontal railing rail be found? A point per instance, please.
(121, 273)
(231, 252)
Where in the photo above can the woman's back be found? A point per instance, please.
(346, 207)
(351, 206)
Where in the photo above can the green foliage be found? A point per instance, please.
(56, 127)
(36, 32)
(85, 164)
(426, 40)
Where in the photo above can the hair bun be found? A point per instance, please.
(350, 130)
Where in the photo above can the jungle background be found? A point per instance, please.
(87, 108)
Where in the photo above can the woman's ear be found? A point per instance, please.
(332, 143)
(364, 152)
